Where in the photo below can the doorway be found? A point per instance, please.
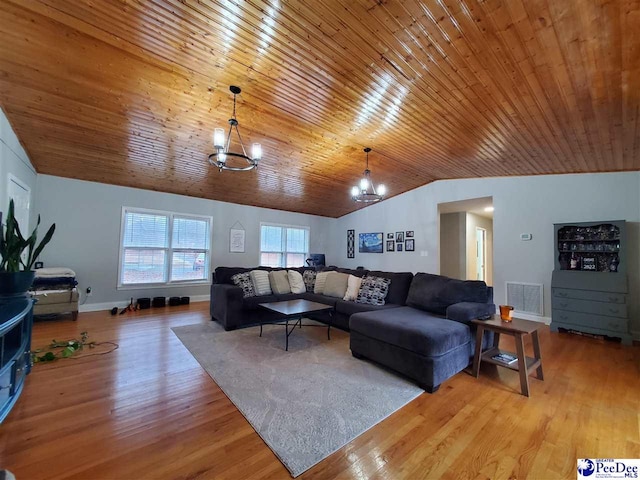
(481, 253)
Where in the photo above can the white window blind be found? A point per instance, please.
(283, 246)
(163, 247)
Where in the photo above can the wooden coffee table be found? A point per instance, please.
(296, 310)
(517, 328)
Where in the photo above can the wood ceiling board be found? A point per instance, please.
(129, 93)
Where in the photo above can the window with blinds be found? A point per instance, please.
(160, 248)
(283, 246)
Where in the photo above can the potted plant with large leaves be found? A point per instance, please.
(16, 275)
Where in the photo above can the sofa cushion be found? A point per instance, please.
(309, 277)
(373, 290)
(243, 280)
(316, 297)
(321, 278)
(284, 297)
(336, 284)
(224, 274)
(356, 273)
(279, 282)
(399, 288)
(353, 287)
(466, 311)
(349, 308)
(254, 302)
(296, 282)
(260, 280)
(434, 293)
(412, 329)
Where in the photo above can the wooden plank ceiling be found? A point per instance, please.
(129, 92)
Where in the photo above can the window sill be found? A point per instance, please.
(149, 286)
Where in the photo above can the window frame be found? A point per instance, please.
(168, 249)
(283, 252)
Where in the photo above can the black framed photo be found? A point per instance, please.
(370, 242)
(399, 247)
(409, 233)
(399, 237)
(389, 236)
(390, 245)
(409, 245)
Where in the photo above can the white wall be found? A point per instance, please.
(14, 161)
(88, 215)
(522, 205)
(453, 255)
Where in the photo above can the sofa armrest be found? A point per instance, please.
(464, 312)
(226, 304)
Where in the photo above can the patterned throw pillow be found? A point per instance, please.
(243, 280)
(373, 290)
(309, 277)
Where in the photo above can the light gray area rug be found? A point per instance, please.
(305, 403)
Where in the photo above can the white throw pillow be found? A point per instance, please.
(321, 278)
(296, 282)
(260, 280)
(353, 287)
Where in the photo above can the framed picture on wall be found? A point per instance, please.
(399, 237)
(389, 236)
(399, 247)
(390, 245)
(236, 240)
(409, 233)
(370, 242)
(409, 245)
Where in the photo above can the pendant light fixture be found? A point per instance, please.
(367, 192)
(222, 155)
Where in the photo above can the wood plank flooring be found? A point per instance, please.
(149, 411)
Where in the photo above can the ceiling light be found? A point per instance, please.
(488, 209)
(222, 155)
(367, 192)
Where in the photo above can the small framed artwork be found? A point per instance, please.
(399, 237)
(389, 236)
(236, 240)
(390, 245)
(399, 247)
(409, 233)
(409, 245)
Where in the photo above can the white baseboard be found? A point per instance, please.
(533, 318)
(97, 307)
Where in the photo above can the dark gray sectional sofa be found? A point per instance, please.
(423, 330)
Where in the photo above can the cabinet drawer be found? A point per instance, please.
(607, 297)
(587, 306)
(5, 384)
(595, 321)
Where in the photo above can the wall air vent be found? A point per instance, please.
(525, 297)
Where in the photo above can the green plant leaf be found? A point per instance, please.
(67, 352)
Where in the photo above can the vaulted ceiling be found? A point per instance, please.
(129, 92)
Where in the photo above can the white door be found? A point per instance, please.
(481, 236)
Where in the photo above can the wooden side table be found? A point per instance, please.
(517, 328)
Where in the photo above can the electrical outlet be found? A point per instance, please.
(88, 291)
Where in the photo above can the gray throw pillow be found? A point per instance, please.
(373, 290)
(279, 282)
(336, 284)
(309, 277)
(243, 280)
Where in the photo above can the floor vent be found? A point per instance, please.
(525, 297)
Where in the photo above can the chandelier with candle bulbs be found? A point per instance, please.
(366, 191)
(223, 157)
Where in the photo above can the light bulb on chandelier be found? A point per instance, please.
(222, 154)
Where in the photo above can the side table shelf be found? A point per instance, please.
(16, 321)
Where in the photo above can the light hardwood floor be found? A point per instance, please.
(148, 410)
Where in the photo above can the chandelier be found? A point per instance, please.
(222, 154)
(367, 192)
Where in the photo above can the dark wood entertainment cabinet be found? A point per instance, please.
(16, 322)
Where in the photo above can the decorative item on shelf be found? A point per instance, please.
(589, 264)
(223, 154)
(506, 313)
(367, 191)
(16, 275)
